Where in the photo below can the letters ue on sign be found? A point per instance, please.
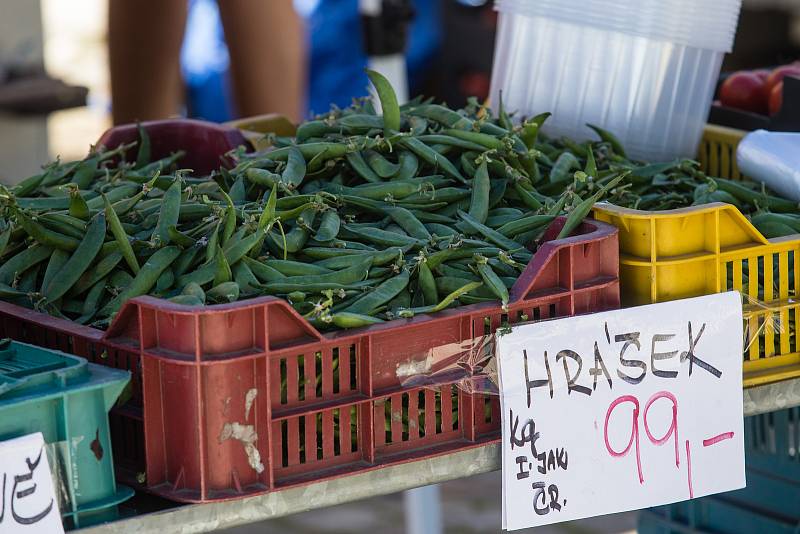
(621, 410)
(27, 502)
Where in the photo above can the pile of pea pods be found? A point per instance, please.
(361, 218)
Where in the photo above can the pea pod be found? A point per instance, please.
(445, 302)
(353, 320)
(145, 279)
(45, 236)
(57, 261)
(120, 236)
(170, 210)
(328, 226)
(382, 294)
(143, 154)
(479, 199)
(388, 100)
(79, 261)
(100, 270)
(295, 169)
(432, 157)
(224, 292)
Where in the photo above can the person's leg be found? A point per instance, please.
(266, 42)
(144, 44)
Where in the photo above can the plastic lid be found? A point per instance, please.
(710, 24)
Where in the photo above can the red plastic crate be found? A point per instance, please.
(226, 399)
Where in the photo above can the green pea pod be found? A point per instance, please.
(443, 115)
(22, 261)
(145, 279)
(444, 303)
(431, 157)
(84, 174)
(345, 258)
(263, 272)
(143, 154)
(213, 241)
(579, 213)
(591, 165)
(409, 223)
(479, 199)
(165, 281)
(222, 271)
(609, 138)
(427, 284)
(57, 261)
(382, 294)
(120, 236)
(45, 236)
(224, 292)
(310, 129)
(238, 192)
(493, 236)
(79, 261)
(502, 117)
(382, 167)
(114, 195)
(388, 100)
(353, 320)
(230, 218)
(409, 164)
(169, 213)
(384, 238)
(525, 224)
(77, 206)
(565, 163)
(194, 289)
(241, 248)
(295, 169)
(356, 273)
(5, 236)
(244, 277)
(360, 166)
(100, 270)
(186, 300)
(92, 301)
(28, 185)
(179, 238)
(328, 226)
(297, 268)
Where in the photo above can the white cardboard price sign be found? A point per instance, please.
(621, 410)
(27, 502)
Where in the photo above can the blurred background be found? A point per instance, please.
(449, 54)
(56, 100)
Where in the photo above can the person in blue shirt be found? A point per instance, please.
(336, 55)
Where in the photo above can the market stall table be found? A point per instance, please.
(381, 481)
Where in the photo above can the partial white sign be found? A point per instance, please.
(621, 410)
(27, 502)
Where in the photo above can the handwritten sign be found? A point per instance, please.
(27, 501)
(621, 410)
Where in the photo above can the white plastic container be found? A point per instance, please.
(772, 158)
(644, 70)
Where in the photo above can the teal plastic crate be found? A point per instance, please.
(67, 399)
(772, 443)
(712, 515)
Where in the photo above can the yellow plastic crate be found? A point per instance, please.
(687, 252)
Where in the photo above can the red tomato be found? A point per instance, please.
(778, 74)
(744, 90)
(776, 99)
(763, 74)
